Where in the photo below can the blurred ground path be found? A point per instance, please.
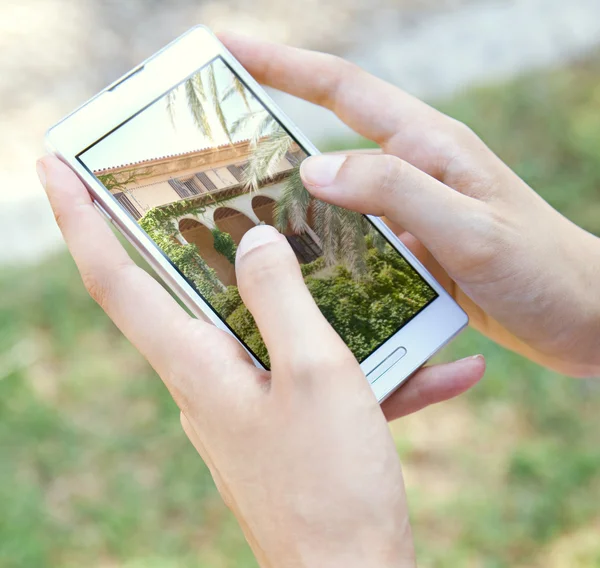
(475, 44)
(431, 53)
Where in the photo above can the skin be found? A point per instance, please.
(525, 274)
(302, 454)
(267, 437)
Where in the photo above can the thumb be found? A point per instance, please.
(296, 333)
(386, 185)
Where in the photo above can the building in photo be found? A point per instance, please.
(211, 181)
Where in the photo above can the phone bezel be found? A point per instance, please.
(422, 336)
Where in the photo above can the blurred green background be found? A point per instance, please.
(95, 470)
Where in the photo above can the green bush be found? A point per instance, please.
(224, 244)
(364, 312)
(242, 322)
(312, 267)
(227, 302)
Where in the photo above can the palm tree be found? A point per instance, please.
(205, 102)
(341, 233)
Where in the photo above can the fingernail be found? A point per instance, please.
(473, 358)
(41, 172)
(321, 170)
(257, 236)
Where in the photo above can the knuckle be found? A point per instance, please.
(322, 365)
(390, 175)
(484, 233)
(334, 81)
(59, 218)
(97, 286)
(463, 133)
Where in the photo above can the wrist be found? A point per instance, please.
(581, 340)
(369, 547)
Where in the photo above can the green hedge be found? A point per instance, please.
(364, 312)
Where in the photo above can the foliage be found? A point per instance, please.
(124, 178)
(312, 267)
(363, 311)
(341, 232)
(263, 124)
(236, 87)
(342, 236)
(291, 209)
(160, 226)
(265, 158)
(225, 303)
(224, 244)
(242, 322)
(203, 97)
(94, 468)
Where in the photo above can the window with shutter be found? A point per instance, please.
(305, 248)
(179, 188)
(128, 205)
(205, 181)
(294, 158)
(191, 186)
(236, 171)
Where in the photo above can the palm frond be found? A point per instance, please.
(291, 209)
(264, 159)
(236, 87)
(171, 98)
(214, 93)
(263, 128)
(379, 241)
(240, 123)
(195, 99)
(327, 227)
(198, 83)
(264, 125)
(342, 235)
(352, 247)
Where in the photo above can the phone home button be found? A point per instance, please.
(386, 364)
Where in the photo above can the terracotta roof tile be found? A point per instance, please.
(169, 156)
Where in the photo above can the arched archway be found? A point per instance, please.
(303, 245)
(198, 234)
(233, 222)
(264, 208)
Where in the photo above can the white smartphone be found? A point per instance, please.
(187, 152)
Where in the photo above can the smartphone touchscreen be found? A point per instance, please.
(205, 163)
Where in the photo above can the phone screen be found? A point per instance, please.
(206, 162)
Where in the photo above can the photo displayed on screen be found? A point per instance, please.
(207, 162)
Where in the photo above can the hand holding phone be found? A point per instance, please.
(186, 153)
(301, 454)
(524, 273)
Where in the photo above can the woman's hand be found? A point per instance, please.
(302, 455)
(527, 277)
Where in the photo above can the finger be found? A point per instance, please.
(271, 285)
(434, 384)
(386, 185)
(143, 310)
(375, 109)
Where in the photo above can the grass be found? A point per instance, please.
(95, 471)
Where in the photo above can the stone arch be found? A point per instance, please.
(231, 221)
(200, 235)
(305, 245)
(264, 209)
